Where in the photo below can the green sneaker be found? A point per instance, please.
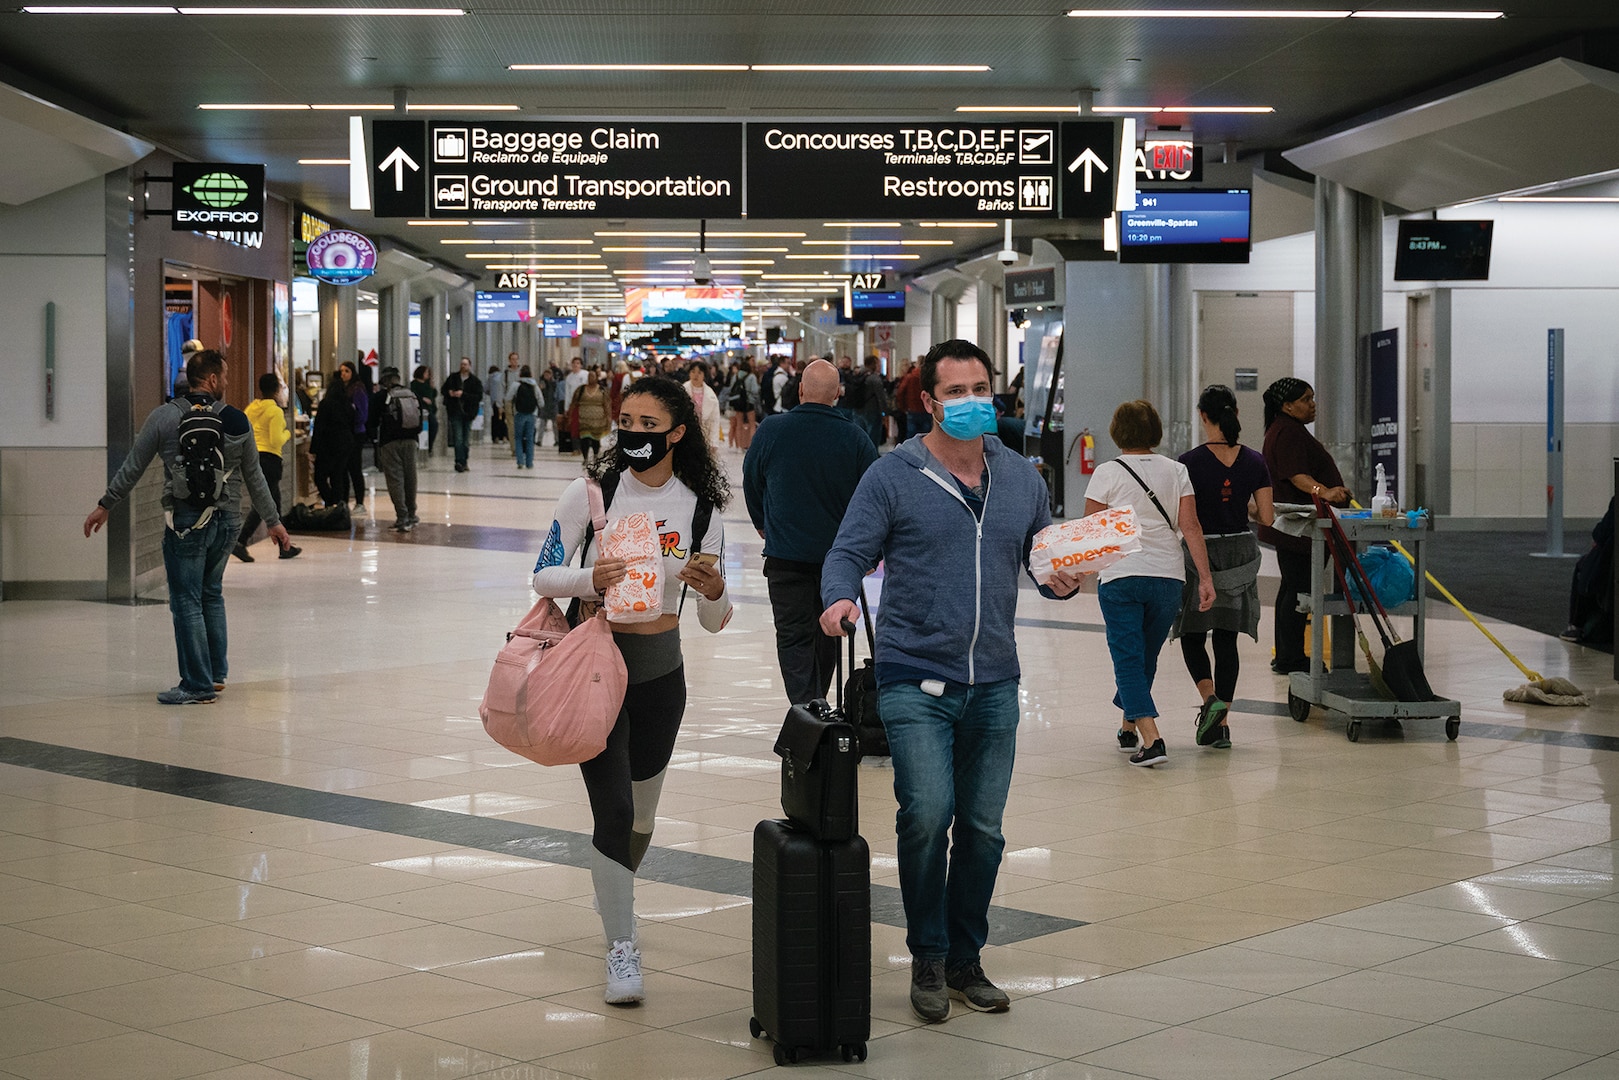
(1210, 718)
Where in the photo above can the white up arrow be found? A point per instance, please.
(399, 160)
(1089, 160)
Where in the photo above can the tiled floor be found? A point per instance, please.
(353, 882)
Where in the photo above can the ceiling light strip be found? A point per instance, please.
(1277, 13)
(405, 11)
(626, 67)
(1075, 109)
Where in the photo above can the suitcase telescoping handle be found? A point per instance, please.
(848, 632)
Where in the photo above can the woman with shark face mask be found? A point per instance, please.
(658, 463)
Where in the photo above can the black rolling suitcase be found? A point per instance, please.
(812, 896)
(811, 943)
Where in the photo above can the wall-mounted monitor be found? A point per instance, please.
(561, 328)
(1187, 227)
(874, 307)
(692, 304)
(500, 307)
(1443, 251)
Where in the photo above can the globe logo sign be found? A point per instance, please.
(341, 257)
(220, 190)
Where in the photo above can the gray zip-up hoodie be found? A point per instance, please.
(951, 581)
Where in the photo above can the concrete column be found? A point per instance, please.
(393, 325)
(338, 335)
(943, 323)
(463, 328)
(433, 338)
(1181, 431)
(1157, 375)
(1348, 306)
(992, 327)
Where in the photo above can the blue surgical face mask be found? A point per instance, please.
(968, 417)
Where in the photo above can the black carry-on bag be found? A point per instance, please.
(811, 943)
(820, 755)
(860, 692)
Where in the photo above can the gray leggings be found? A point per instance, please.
(639, 747)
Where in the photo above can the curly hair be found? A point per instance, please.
(694, 462)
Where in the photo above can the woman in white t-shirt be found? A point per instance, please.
(658, 463)
(1141, 594)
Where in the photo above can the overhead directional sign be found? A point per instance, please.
(533, 169)
(1090, 175)
(398, 168)
(902, 170)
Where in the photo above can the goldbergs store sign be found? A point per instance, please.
(213, 195)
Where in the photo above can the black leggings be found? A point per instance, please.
(1226, 663)
(1290, 621)
(639, 748)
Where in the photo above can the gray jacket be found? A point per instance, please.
(159, 436)
(951, 581)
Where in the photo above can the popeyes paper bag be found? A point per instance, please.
(639, 596)
(1084, 545)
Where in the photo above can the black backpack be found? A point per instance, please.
(199, 475)
(789, 393)
(739, 393)
(401, 415)
(767, 389)
(854, 391)
(526, 400)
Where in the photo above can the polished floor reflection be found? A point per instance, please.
(333, 873)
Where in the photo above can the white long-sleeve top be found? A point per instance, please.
(708, 413)
(671, 507)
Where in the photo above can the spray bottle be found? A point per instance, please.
(1383, 504)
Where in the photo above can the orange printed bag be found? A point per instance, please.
(555, 693)
(1085, 545)
(639, 596)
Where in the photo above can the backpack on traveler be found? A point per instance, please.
(789, 393)
(401, 414)
(767, 389)
(526, 400)
(855, 390)
(199, 475)
(739, 395)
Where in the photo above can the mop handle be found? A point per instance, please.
(1532, 676)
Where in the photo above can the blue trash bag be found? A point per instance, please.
(1391, 574)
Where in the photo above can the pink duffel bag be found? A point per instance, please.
(555, 693)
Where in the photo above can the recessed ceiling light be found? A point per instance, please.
(88, 10)
(878, 243)
(1109, 109)
(319, 11)
(898, 68)
(860, 225)
(323, 161)
(538, 255)
(1204, 13)
(626, 67)
(573, 271)
(1428, 15)
(1018, 109)
(463, 108)
(959, 224)
(1560, 198)
(693, 234)
(375, 107)
(848, 256)
(474, 241)
(724, 262)
(693, 251)
(1232, 109)
(253, 106)
(438, 224)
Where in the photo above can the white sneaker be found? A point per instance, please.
(624, 985)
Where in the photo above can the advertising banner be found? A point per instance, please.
(218, 196)
(1383, 394)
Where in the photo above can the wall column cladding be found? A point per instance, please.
(339, 313)
(1348, 306)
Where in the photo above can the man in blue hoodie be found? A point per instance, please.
(953, 515)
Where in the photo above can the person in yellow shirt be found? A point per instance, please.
(268, 415)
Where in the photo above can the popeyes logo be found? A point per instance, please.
(670, 543)
(1080, 558)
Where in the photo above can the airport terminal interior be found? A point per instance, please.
(331, 872)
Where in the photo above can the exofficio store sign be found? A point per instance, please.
(211, 196)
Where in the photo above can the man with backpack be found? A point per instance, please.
(208, 450)
(398, 425)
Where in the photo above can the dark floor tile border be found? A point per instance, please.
(709, 873)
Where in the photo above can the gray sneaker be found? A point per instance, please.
(929, 999)
(972, 987)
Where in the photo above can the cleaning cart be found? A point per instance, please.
(1343, 689)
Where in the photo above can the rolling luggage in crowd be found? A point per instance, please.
(812, 895)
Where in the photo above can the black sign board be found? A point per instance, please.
(214, 196)
(902, 171)
(1024, 287)
(398, 168)
(531, 169)
(1090, 173)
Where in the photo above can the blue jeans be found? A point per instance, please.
(196, 569)
(460, 436)
(952, 768)
(1138, 612)
(523, 425)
